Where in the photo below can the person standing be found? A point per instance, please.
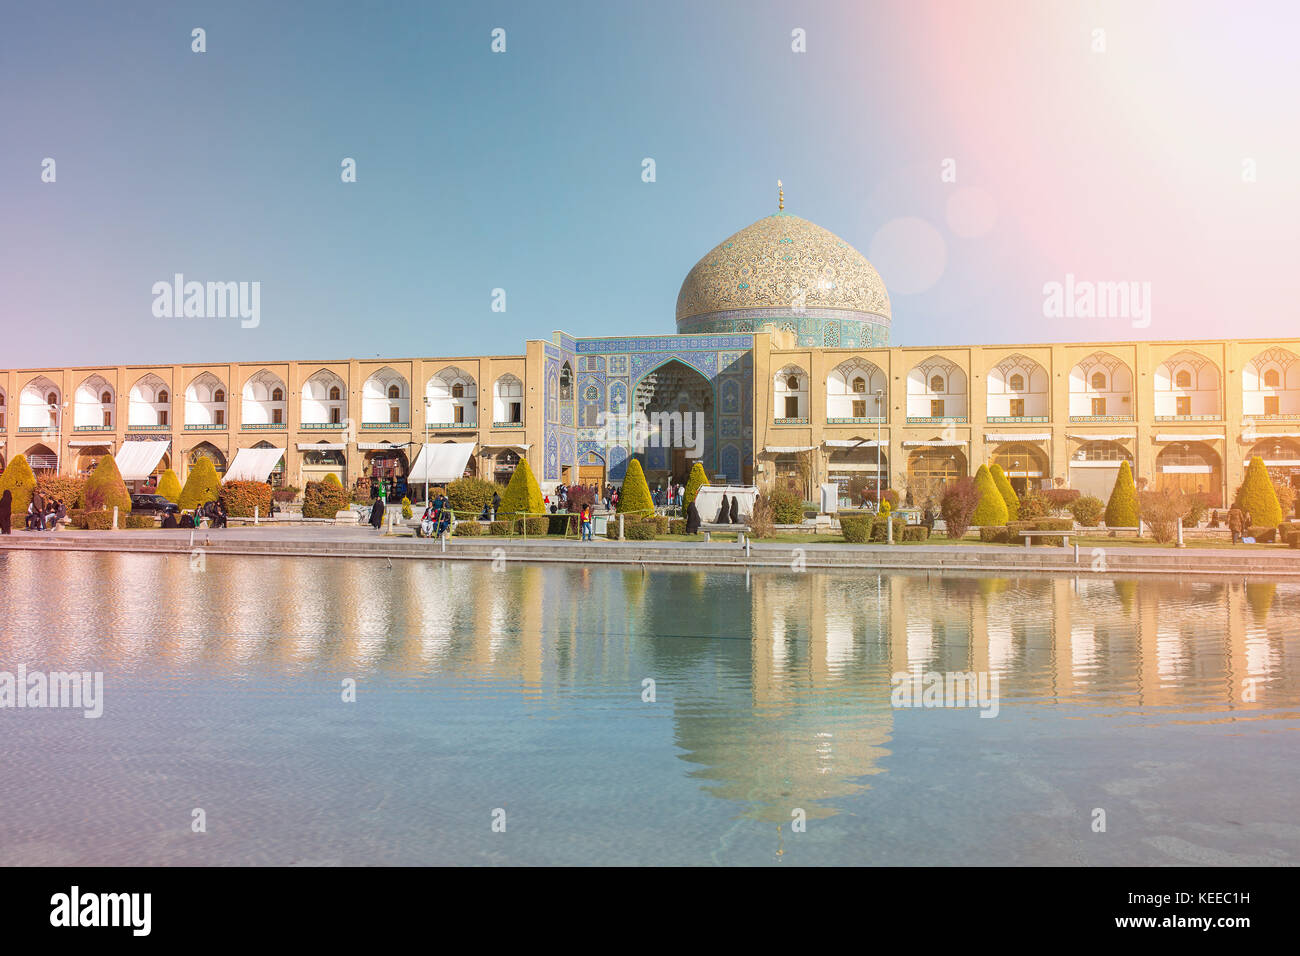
(6, 512)
(496, 503)
(1236, 523)
(586, 522)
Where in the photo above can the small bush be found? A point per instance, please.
(762, 517)
(139, 521)
(1162, 511)
(880, 532)
(991, 535)
(660, 523)
(1053, 524)
(1033, 506)
(1087, 510)
(63, 490)
(242, 497)
(323, 499)
(855, 528)
(639, 530)
(787, 507)
(536, 527)
(500, 529)
(469, 496)
(678, 526)
(468, 529)
(284, 495)
(916, 532)
(959, 500)
(1060, 499)
(891, 497)
(1199, 505)
(76, 518)
(1015, 527)
(98, 520)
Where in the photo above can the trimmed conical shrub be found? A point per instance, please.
(201, 485)
(634, 496)
(1257, 497)
(522, 494)
(992, 509)
(694, 482)
(1122, 509)
(21, 483)
(333, 479)
(1008, 493)
(105, 489)
(169, 486)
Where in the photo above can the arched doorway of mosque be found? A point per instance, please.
(673, 408)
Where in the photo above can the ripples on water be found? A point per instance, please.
(524, 688)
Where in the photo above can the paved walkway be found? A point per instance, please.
(348, 541)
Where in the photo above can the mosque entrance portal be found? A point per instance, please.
(674, 403)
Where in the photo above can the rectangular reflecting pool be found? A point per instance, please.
(347, 712)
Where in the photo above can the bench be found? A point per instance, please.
(1027, 535)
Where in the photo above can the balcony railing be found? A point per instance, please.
(872, 420)
(1017, 419)
(323, 426)
(1189, 418)
(270, 426)
(92, 428)
(205, 428)
(507, 424)
(1100, 419)
(36, 429)
(148, 428)
(932, 420)
(789, 421)
(445, 426)
(1281, 417)
(385, 426)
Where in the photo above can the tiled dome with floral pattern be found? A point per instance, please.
(783, 266)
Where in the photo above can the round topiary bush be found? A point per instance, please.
(634, 496)
(1087, 510)
(105, 489)
(169, 486)
(323, 499)
(992, 509)
(201, 485)
(469, 496)
(19, 481)
(1122, 509)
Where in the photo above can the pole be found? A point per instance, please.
(878, 417)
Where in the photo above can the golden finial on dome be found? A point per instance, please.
(780, 197)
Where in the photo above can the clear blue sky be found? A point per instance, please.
(523, 170)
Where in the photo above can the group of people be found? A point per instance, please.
(42, 514)
(214, 511)
(438, 517)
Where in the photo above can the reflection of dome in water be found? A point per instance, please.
(787, 273)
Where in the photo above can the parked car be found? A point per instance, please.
(152, 505)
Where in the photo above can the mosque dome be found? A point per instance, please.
(787, 273)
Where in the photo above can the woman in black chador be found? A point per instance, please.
(377, 514)
(6, 512)
(735, 509)
(724, 516)
(692, 519)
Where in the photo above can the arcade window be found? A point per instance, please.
(1017, 408)
(1099, 406)
(936, 408)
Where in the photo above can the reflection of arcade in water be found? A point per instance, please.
(777, 683)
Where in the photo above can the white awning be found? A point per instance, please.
(849, 443)
(522, 448)
(379, 446)
(323, 446)
(955, 443)
(1102, 437)
(136, 460)
(787, 449)
(1026, 436)
(86, 442)
(1177, 438)
(1258, 435)
(1282, 462)
(438, 463)
(254, 464)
